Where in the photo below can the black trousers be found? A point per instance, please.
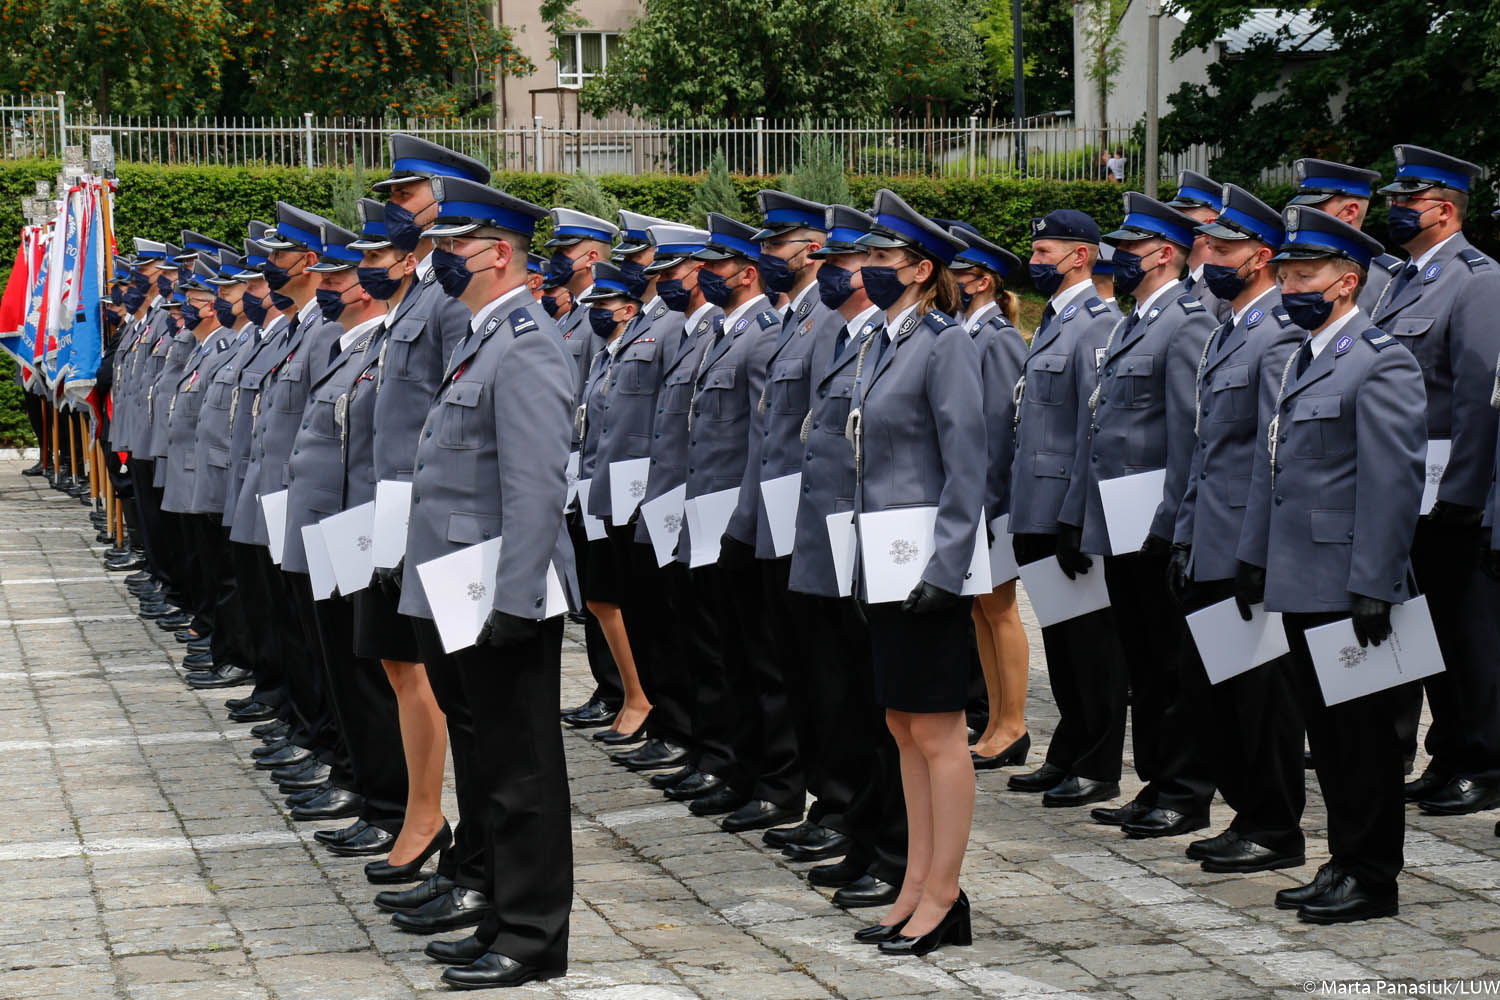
(33, 405)
(149, 516)
(659, 656)
(519, 779)
(464, 860)
(1151, 641)
(706, 615)
(1085, 670)
(215, 597)
(365, 707)
(876, 817)
(264, 645)
(772, 648)
(1464, 738)
(308, 685)
(1359, 764)
(607, 686)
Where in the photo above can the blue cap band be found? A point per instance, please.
(254, 260)
(985, 259)
(610, 284)
(203, 247)
(337, 251)
(917, 235)
(374, 227)
(795, 216)
(1151, 224)
(677, 249)
(583, 232)
(1198, 194)
(502, 218)
(838, 234)
(534, 266)
(745, 248)
(414, 165)
(152, 255)
(634, 235)
(287, 231)
(1423, 172)
(1256, 227)
(1352, 188)
(1355, 251)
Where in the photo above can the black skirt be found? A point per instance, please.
(921, 662)
(601, 572)
(380, 631)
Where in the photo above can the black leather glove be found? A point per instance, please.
(735, 554)
(501, 630)
(389, 580)
(1069, 551)
(1455, 514)
(1249, 588)
(925, 599)
(1029, 548)
(1155, 545)
(989, 533)
(1372, 619)
(1489, 562)
(1178, 583)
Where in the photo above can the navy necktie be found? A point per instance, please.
(334, 349)
(1304, 357)
(1224, 329)
(882, 341)
(1402, 280)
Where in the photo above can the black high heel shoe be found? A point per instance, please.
(952, 929)
(615, 738)
(876, 933)
(1011, 756)
(382, 872)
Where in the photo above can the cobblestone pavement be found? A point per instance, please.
(141, 856)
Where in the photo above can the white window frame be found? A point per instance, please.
(576, 80)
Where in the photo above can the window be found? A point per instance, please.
(582, 55)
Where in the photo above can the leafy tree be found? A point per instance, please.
(1047, 43)
(1101, 32)
(819, 176)
(716, 193)
(584, 193)
(937, 58)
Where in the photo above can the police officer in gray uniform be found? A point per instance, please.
(1345, 191)
(1336, 487)
(1199, 198)
(1083, 760)
(1442, 307)
(492, 463)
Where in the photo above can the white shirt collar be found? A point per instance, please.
(612, 346)
(486, 311)
(866, 315)
(350, 337)
(1431, 252)
(646, 309)
(742, 309)
(972, 321)
(424, 267)
(1061, 300)
(1325, 336)
(243, 327)
(1141, 307)
(796, 303)
(893, 323)
(1235, 321)
(698, 314)
(1196, 273)
(155, 301)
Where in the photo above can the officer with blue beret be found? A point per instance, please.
(1200, 198)
(1336, 488)
(1083, 760)
(1104, 273)
(1345, 191)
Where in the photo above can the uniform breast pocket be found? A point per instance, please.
(1047, 379)
(1331, 527)
(1135, 382)
(320, 419)
(721, 398)
(221, 389)
(788, 393)
(218, 457)
(1412, 331)
(461, 420)
(1318, 430)
(677, 392)
(290, 394)
(636, 373)
(1230, 395)
(401, 350)
(834, 413)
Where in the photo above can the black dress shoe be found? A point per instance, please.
(1161, 822)
(1291, 899)
(654, 756)
(271, 730)
(336, 803)
(370, 840)
(1200, 849)
(173, 622)
(460, 952)
(1248, 856)
(825, 843)
(1462, 796)
(491, 971)
(589, 716)
(253, 712)
(303, 796)
(200, 661)
(672, 778)
(876, 933)
(226, 676)
(695, 786)
(150, 612)
(290, 755)
(35, 470)
(1012, 756)
(127, 565)
(1428, 785)
(783, 835)
(1045, 777)
(202, 644)
(1120, 815)
(458, 907)
(1076, 791)
(1348, 900)
(867, 890)
(757, 814)
(234, 704)
(385, 873)
(836, 876)
(722, 800)
(615, 738)
(310, 774)
(266, 749)
(141, 576)
(953, 929)
(186, 635)
(341, 834)
(414, 898)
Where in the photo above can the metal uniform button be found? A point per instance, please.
(427, 433)
(1278, 501)
(419, 466)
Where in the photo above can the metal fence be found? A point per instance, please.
(40, 125)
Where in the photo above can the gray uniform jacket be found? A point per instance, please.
(767, 338)
(121, 392)
(315, 467)
(1449, 318)
(725, 390)
(211, 450)
(922, 438)
(1336, 514)
(580, 344)
(130, 383)
(1142, 414)
(426, 328)
(269, 350)
(622, 407)
(1002, 356)
(588, 444)
(1047, 417)
(1383, 270)
(359, 424)
(1237, 383)
(180, 347)
(492, 461)
(827, 459)
(182, 418)
(669, 425)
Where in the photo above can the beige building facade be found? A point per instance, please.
(552, 91)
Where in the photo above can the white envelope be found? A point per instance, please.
(593, 527)
(1002, 553)
(844, 543)
(1436, 465)
(1055, 598)
(707, 517)
(273, 509)
(627, 484)
(1347, 670)
(1130, 504)
(1229, 646)
(319, 565)
(350, 540)
(663, 517)
(572, 479)
(460, 589)
(895, 546)
(392, 514)
(781, 497)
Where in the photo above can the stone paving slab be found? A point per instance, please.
(143, 857)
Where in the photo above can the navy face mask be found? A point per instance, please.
(602, 321)
(560, 268)
(1046, 278)
(1405, 224)
(1128, 271)
(255, 308)
(453, 271)
(1309, 310)
(835, 284)
(117, 296)
(225, 311)
(330, 303)
(965, 298)
(276, 277)
(378, 282)
(1224, 281)
(883, 285)
(401, 228)
(141, 281)
(636, 278)
(550, 306)
(133, 298)
(282, 302)
(190, 316)
(673, 294)
(776, 273)
(715, 287)
(164, 286)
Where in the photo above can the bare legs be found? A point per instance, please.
(633, 713)
(938, 780)
(424, 739)
(1005, 657)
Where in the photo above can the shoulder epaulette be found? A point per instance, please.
(1191, 305)
(1282, 316)
(1096, 307)
(521, 322)
(1473, 258)
(767, 318)
(1389, 263)
(1379, 339)
(940, 320)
